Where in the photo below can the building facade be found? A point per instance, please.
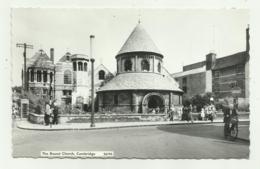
(40, 73)
(142, 84)
(68, 81)
(227, 76)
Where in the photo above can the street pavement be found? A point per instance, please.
(186, 141)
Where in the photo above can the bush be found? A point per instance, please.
(36, 103)
(198, 100)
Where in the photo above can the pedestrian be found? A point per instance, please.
(55, 113)
(202, 114)
(47, 113)
(190, 113)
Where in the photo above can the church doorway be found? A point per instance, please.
(153, 103)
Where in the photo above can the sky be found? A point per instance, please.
(184, 36)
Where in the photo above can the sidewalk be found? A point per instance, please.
(24, 124)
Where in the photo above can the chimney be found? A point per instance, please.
(247, 39)
(210, 60)
(52, 55)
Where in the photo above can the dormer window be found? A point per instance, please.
(101, 75)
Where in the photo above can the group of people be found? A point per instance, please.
(208, 112)
(51, 113)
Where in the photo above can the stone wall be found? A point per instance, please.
(132, 101)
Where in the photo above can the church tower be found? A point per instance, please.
(141, 84)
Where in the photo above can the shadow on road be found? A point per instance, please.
(205, 131)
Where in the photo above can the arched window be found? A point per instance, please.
(39, 76)
(80, 66)
(159, 67)
(51, 77)
(101, 75)
(145, 66)
(67, 77)
(85, 66)
(128, 65)
(67, 57)
(44, 76)
(74, 66)
(32, 75)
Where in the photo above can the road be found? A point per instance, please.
(172, 142)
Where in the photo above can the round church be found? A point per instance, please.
(142, 84)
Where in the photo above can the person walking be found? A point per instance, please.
(47, 113)
(202, 114)
(55, 113)
(191, 109)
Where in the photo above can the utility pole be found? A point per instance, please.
(24, 46)
(92, 60)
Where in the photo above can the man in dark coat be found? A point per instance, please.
(226, 112)
(55, 113)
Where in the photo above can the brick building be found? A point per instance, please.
(40, 73)
(223, 76)
(142, 84)
(68, 81)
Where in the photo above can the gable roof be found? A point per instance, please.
(139, 41)
(40, 59)
(64, 58)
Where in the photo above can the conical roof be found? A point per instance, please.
(139, 41)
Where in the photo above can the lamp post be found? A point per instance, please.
(92, 60)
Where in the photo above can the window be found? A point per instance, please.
(184, 88)
(217, 73)
(80, 66)
(51, 77)
(184, 81)
(74, 66)
(85, 66)
(67, 57)
(145, 66)
(45, 91)
(116, 99)
(239, 69)
(128, 65)
(66, 92)
(44, 76)
(159, 67)
(233, 84)
(39, 76)
(32, 75)
(184, 84)
(67, 77)
(101, 75)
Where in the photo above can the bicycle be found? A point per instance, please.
(231, 129)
